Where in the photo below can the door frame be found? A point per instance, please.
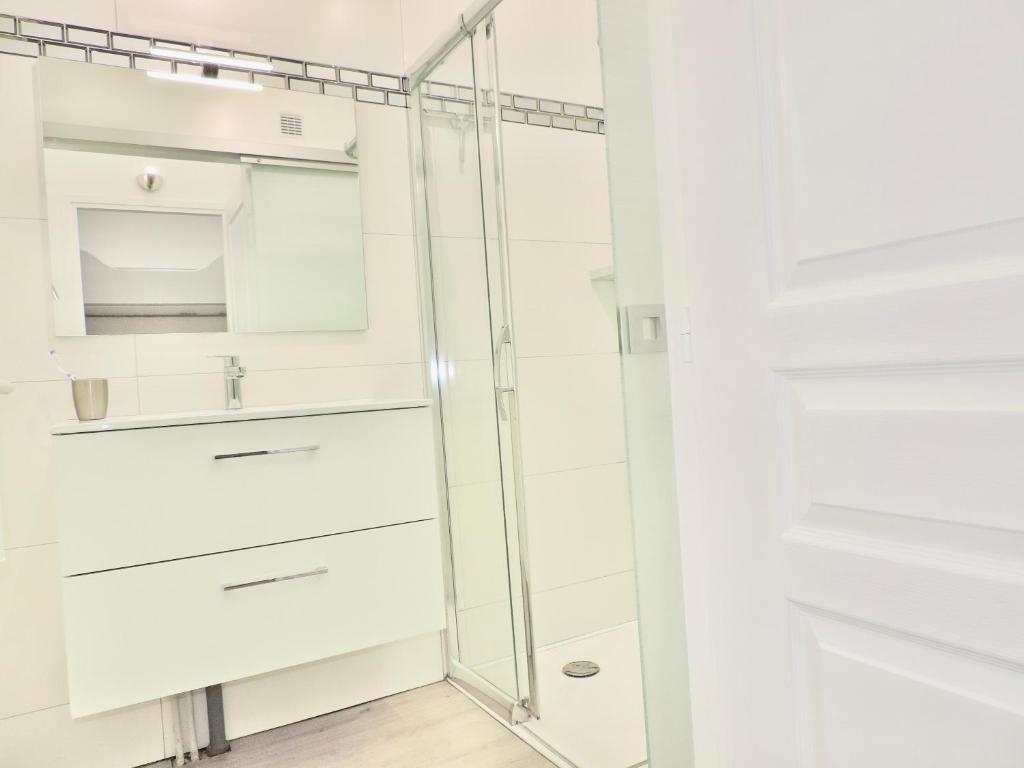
(638, 53)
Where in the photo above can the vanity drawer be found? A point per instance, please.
(141, 496)
(141, 633)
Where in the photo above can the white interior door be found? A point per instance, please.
(854, 477)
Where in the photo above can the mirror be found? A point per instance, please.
(177, 208)
(151, 271)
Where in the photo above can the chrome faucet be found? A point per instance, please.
(234, 372)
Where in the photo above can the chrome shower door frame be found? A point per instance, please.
(507, 389)
(481, 39)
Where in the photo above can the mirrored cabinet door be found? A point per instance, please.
(204, 212)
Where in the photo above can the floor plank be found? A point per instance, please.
(431, 727)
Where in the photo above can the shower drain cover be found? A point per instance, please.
(580, 669)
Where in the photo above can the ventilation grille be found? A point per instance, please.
(291, 125)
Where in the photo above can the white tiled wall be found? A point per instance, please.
(547, 48)
(423, 21)
(557, 186)
(365, 34)
(88, 13)
(358, 33)
(574, 453)
(49, 737)
(161, 373)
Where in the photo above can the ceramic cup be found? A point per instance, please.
(90, 397)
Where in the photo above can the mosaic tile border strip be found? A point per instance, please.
(517, 108)
(24, 36)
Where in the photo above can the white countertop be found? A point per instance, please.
(184, 418)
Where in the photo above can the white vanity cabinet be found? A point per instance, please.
(197, 551)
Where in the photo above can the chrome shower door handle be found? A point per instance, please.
(500, 387)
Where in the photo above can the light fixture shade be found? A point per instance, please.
(216, 82)
(207, 58)
(150, 180)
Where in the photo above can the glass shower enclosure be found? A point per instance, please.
(530, 424)
(455, 111)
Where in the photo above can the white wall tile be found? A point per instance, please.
(550, 48)
(485, 636)
(500, 672)
(424, 21)
(393, 335)
(469, 418)
(546, 47)
(571, 412)
(91, 357)
(182, 392)
(25, 314)
(258, 703)
(462, 313)
(580, 609)
(26, 467)
(457, 66)
(26, 318)
(319, 385)
(579, 525)
(87, 13)
(51, 739)
(32, 670)
(205, 391)
(21, 193)
(385, 179)
(557, 185)
(27, 513)
(480, 551)
(558, 309)
(364, 34)
(453, 177)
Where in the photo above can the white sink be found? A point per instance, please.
(149, 420)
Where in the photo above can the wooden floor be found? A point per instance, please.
(430, 727)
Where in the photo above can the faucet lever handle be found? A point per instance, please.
(234, 372)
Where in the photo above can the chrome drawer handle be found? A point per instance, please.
(271, 452)
(274, 579)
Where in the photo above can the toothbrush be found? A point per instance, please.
(61, 368)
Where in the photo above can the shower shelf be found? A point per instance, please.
(605, 274)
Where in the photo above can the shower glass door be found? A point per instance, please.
(490, 647)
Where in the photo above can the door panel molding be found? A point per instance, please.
(911, 683)
(832, 230)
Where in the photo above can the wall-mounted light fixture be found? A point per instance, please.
(211, 69)
(150, 179)
(206, 58)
